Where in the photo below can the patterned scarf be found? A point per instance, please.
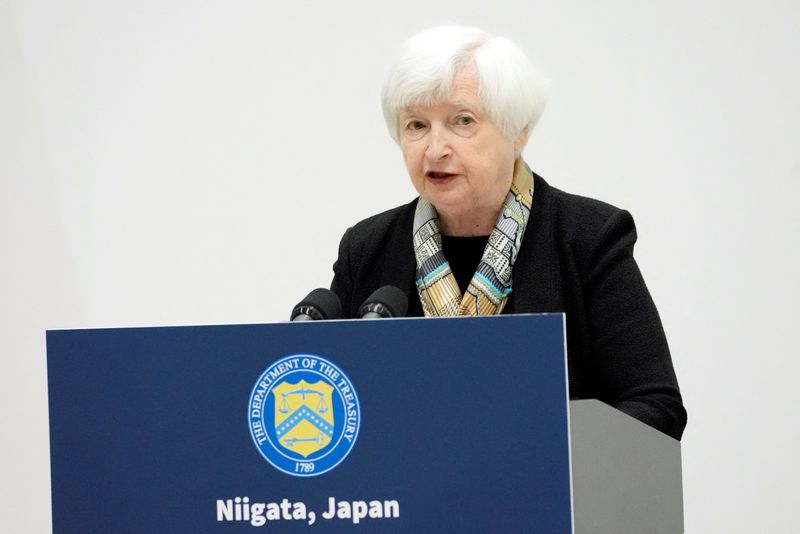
(489, 288)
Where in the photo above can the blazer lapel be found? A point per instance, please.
(524, 276)
(401, 265)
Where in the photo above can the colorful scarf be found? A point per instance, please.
(489, 288)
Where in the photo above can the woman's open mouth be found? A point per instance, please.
(439, 175)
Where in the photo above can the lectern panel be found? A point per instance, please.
(406, 425)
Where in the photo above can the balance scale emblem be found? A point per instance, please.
(304, 421)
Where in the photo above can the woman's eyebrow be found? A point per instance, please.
(409, 112)
(463, 105)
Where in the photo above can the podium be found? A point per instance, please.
(392, 425)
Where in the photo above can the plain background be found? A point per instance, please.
(175, 163)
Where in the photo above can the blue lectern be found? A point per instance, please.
(405, 425)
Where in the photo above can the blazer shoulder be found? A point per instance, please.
(578, 217)
(580, 211)
(374, 252)
(374, 229)
(587, 227)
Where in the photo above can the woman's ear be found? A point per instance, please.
(520, 141)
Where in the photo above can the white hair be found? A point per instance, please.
(511, 90)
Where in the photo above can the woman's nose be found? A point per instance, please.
(438, 145)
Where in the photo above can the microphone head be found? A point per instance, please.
(387, 301)
(320, 304)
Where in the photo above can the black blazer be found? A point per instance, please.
(576, 257)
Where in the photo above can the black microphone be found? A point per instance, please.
(387, 301)
(318, 305)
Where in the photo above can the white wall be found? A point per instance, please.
(186, 162)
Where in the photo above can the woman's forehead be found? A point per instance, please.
(445, 104)
(464, 93)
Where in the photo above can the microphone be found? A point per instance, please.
(387, 301)
(319, 305)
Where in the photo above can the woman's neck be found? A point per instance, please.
(468, 224)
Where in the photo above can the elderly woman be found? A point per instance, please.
(487, 236)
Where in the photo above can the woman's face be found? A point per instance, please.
(458, 159)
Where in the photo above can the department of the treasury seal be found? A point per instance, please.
(304, 415)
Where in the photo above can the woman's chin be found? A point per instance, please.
(448, 201)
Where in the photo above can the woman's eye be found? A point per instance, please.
(464, 120)
(415, 125)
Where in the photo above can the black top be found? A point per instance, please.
(463, 254)
(576, 257)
